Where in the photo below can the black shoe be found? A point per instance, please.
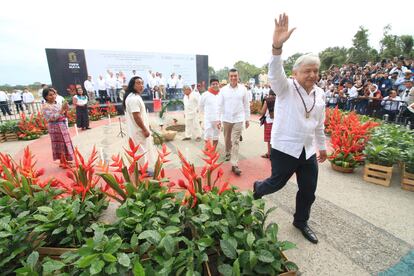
(227, 158)
(307, 233)
(87, 128)
(255, 195)
(236, 170)
(186, 138)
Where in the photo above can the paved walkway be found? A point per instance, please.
(363, 228)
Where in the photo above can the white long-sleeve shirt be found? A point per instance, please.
(292, 131)
(89, 85)
(28, 97)
(391, 104)
(233, 104)
(209, 106)
(191, 105)
(101, 84)
(16, 96)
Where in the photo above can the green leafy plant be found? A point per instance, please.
(100, 255)
(408, 159)
(10, 126)
(66, 223)
(168, 104)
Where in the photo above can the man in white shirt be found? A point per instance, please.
(28, 100)
(110, 83)
(161, 85)
(16, 97)
(179, 86)
(234, 109)
(258, 92)
(90, 89)
(102, 90)
(137, 121)
(40, 93)
(391, 105)
(171, 83)
(352, 95)
(209, 106)
(191, 107)
(4, 103)
(300, 106)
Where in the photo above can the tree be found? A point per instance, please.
(407, 42)
(333, 55)
(361, 51)
(246, 70)
(211, 71)
(389, 44)
(222, 73)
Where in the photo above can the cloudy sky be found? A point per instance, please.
(225, 30)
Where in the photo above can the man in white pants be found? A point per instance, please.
(209, 106)
(234, 107)
(191, 104)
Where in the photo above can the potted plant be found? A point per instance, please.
(379, 161)
(407, 179)
(348, 139)
(10, 129)
(95, 112)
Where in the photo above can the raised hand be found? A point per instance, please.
(282, 32)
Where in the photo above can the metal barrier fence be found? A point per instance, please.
(37, 107)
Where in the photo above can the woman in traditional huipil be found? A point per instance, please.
(55, 114)
(80, 100)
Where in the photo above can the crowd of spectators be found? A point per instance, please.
(383, 89)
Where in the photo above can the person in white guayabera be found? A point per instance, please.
(234, 109)
(191, 114)
(137, 121)
(90, 89)
(300, 109)
(209, 106)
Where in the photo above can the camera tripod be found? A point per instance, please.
(121, 132)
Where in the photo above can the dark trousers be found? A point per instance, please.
(391, 114)
(5, 108)
(18, 105)
(103, 97)
(82, 118)
(283, 167)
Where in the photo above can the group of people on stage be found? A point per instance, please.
(113, 86)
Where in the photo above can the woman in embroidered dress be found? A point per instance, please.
(55, 114)
(80, 100)
(267, 110)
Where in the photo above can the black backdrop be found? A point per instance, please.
(67, 67)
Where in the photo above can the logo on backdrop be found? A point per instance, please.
(73, 61)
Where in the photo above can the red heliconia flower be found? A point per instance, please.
(223, 188)
(206, 188)
(181, 184)
(118, 163)
(143, 171)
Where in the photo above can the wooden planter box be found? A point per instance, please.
(210, 266)
(341, 169)
(54, 252)
(2, 138)
(378, 174)
(11, 136)
(407, 180)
